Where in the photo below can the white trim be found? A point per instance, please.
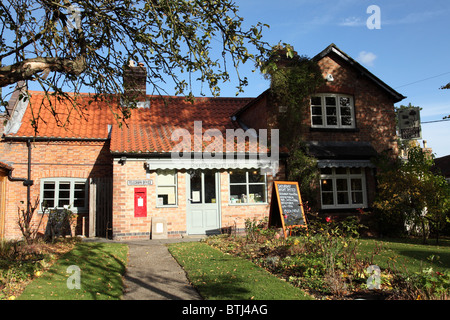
(334, 176)
(175, 174)
(72, 182)
(338, 116)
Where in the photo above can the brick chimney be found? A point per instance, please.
(135, 81)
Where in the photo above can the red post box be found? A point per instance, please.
(140, 202)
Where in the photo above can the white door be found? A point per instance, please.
(203, 214)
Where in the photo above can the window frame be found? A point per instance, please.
(323, 107)
(247, 185)
(348, 176)
(56, 198)
(158, 185)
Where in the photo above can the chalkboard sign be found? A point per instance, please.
(286, 209)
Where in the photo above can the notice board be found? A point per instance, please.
(286, 208)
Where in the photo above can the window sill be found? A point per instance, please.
(248, 204)
(320, 129)
(167, 206)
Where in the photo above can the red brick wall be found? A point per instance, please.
(49, 160)
(374, 109)
(127, 226)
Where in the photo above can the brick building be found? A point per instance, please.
(124, 182)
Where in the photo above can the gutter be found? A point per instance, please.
(26, 181)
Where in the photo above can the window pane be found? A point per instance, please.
(327, 198)
(64, 186)
(344, 101)
(356, 184)
(317, 120)
(63, 202)
(210, 187)
(238, 176)
(331, 111)
(254, 176)
(257, 193)
(326, 171)
(196, 188)
(341, 170)
(341, 184)
(238, 194)
(346, 111)
(346, 121)
(316, 101)
(342, 198)
(332, 121)
(330, 101)
(316, 111)
(166, 179)
(357, 197)
(327, 184)
(167, 196)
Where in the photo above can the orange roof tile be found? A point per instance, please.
(90, 121)
(150, 129)
(147, 130)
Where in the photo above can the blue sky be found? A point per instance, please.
(411, 51)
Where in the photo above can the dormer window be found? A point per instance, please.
(332, 111)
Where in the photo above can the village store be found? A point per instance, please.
(122, 182)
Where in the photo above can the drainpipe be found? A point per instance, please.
(26, 181)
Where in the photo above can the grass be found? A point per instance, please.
(220, 276)
(407, 255)
(101, 266)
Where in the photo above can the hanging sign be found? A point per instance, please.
(409, 123)
(286, 207)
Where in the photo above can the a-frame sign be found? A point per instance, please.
(286, 207)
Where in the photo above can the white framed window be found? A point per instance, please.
(332, 111)
(166, 189)
(247, 187)
(343, 188)
(71, 193)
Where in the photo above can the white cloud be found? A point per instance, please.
(352, 22)
(366, 58)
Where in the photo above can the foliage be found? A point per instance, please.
(293, 79)
(21, 262)
(329, 261)
(102, 267)
(70, 46)
(303, 169)
(409, 191)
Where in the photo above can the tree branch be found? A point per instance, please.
(29, 68)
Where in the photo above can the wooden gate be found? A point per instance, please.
(100, 207)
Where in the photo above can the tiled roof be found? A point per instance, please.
(148, 130)
(89, 122)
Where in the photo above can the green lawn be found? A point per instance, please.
(101, 266)
(220, 276)
(409, 255)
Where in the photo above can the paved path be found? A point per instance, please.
(153, 274)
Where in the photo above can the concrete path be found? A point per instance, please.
(153, 274)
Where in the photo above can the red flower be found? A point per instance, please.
(328, 219)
